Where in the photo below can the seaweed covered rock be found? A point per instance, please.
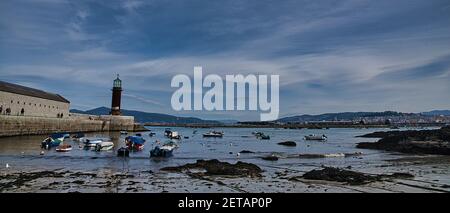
(340, 175)
(288, 143)
(270, 158)
(420, 142)
(216, 167)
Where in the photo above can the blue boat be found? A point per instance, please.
(50, 142)
(164, 151)
(135, 143)
(58, 136)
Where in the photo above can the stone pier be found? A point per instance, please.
(25, 125)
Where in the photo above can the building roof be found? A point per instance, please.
(22, 90)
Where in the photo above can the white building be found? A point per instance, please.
(16, 100)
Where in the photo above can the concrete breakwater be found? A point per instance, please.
(24, 125)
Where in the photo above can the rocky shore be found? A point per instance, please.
(416, 142)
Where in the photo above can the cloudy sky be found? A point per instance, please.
(331, 55)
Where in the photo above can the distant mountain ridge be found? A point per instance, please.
(146, 117)
(357, 115)
(437, 112)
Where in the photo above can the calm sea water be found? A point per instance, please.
(23, 153)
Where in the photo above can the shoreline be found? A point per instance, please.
(281, 179)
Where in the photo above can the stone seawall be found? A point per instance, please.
(22, 125)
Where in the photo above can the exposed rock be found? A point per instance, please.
(419, 142)
(20, 179)
(216, 167)
(349, 177)
(288, 143)
(339, 175)
(270, 158)
(246, 151)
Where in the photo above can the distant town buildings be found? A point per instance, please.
(19, 100)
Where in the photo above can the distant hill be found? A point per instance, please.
(437, 113)
(340, 116)
(143, 117)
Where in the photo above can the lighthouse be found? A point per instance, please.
(116, 96)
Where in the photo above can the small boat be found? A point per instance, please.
(58, 136)
(163, 151)
(123, 152)
(167, 132)
(64, 148)
(314, 137)
(264, 137)
(92, 142)
(135, 143)
(174, 135)
(261, 136)
(123, 132)
(213, 134)
(104, 146)
(50, 142)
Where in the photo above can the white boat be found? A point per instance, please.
(314, 137)
(92, 142)
(104, 146)
(174, 135)
(63, 148)
(214, 134)
(163, 151)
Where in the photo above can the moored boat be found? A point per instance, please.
(316, 137)
(167, 132)
(49, 142)
(64, 148)
(104, 146)
(163, 151)
(92, 142)
(213, 134)
(264, 137)
(58, 136)
(135, 143)
(174, 135)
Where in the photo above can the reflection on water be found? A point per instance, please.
(24, 151)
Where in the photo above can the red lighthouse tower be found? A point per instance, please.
(116, 96)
